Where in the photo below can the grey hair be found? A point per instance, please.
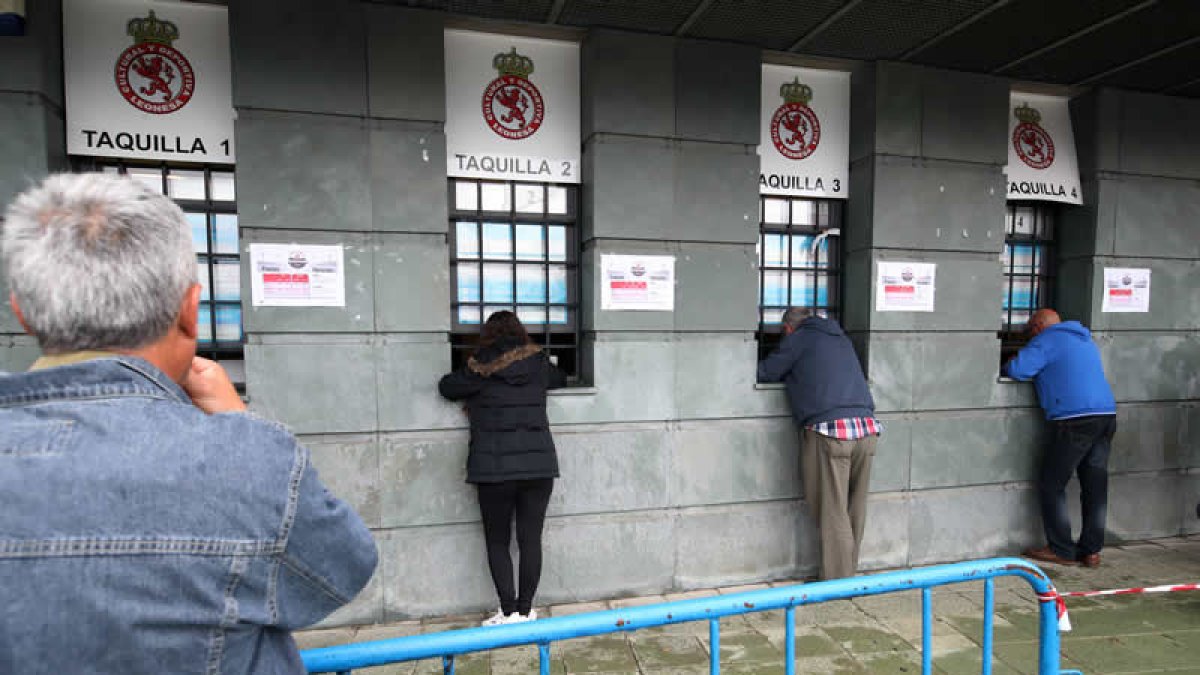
(795, 315)
(96, 261)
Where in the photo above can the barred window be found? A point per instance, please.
(208, 199)
(1028, 271)
(799, 262)
(515, 246)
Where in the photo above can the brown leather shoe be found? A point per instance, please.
(1046, 554)
(1090, 560)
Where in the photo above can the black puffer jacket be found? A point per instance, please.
(504, 386)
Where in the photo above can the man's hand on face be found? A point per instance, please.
(210, 388)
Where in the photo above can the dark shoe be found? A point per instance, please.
(1090, 560)
(1046, 554)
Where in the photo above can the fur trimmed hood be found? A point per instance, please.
(508, 358)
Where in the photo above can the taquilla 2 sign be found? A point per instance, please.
(148, 80)
(804, 149)
(1042, 165)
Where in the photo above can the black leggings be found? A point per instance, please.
(497, 504)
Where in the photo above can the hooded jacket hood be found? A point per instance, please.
(509, 362)
(1072, 327)
(823, 325)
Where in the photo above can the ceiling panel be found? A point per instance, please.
(884, 29)
(515, 10)
(772, 24)
(1016, 29)
(1161, 73)
(647, 16)
(1166, 23)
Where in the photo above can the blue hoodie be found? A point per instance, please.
(824, 379)
(1064, 364)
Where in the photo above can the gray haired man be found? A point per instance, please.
(150, 524)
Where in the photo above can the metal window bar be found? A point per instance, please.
(1040, 278)
(447, 645)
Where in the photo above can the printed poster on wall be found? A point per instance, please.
(905, 286)
(291, 275)
(1126, 289)
(637, 282)
(512, 107)
(1042, 165)
(148, 80)
(805, 145)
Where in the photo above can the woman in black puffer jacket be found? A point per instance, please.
(511, 460)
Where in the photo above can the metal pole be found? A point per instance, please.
(544, 658)
(714, 647)
(789, 633)
(926, 631)
(989, 604)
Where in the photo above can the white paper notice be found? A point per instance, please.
(291, 275)
(905, 287)
(1126, 289)
(632, 282)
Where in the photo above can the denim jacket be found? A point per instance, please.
(140, 535)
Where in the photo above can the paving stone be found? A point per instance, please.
(891, 662)
(1130, 653)
(691, 595)
(603, 653)
(467, 664)
(729, 590)
(969, 662)
(314, 639)
(837, 612)
(749, 646)
(668, 651)
(859, 640)
(1003, 630)
(1023, 657)
(577, 608)
(523, 660)
(1142, 616)
(387, 631)
(910, 629)
(810, 641)
(391, 669)
(638, 602)
(831, 665)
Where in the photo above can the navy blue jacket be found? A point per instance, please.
(824, 379)
(1064, 364)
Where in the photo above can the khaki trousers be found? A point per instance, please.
(837, 477)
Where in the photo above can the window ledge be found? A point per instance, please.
(1004, 379)
(582, 390)
(769, 386)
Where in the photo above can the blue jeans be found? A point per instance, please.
(1079, 445)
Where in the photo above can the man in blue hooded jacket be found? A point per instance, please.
(1064, 364)
(836, 415)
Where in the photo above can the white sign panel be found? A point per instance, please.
(1042, 165)
(291, 275)
(148, 80)
(805, 145)
(512, 107)
(1126, 289)
(905, 286)
(634, 282)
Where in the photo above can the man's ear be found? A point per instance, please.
(12, 300)
(189, 310)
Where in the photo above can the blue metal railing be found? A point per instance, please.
(447, 645)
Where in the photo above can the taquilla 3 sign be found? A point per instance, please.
(1042, 165)
(804, 149)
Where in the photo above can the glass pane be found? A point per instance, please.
(227, 274)
(468, 283)
(1023, 258)
(199, 224)
(772, 316)
(803, 289)
(774, 291)
(557, 236)
(1022, 294)
(804, 212)
(774, 250)
(558, 284)
(826, 251)
(558, 200)
(186, 184)
(492, 309)
(558, 315)
(151, 178)
(497, 241)
(530, 198)
(466, 239)
(466, 196)
(225, 233)
(204, 327)
(223, 186)
(529, 242)
(202, 277)
(802, 250)
(826, 291)
(532, 315)
(1023, 220)
(823, 214)
(531, 283)
(496, 196)
(497, 283)
(469, 314)
(1019, 318)
(229, 323)
(775, 211)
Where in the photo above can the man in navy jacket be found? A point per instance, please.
(836, 414)
(1064, 364)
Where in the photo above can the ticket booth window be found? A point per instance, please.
(208, 198)
(799, 262)
(515, 246)
(1028, 271)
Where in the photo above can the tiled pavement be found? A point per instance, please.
(882, 634)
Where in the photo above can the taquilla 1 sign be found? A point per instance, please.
(805, 144)
(148, 80)
(1042, 165)
(512, 107)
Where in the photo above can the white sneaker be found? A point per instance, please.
(517, 617)
(499, 618)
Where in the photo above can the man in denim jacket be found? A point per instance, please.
(149, 523)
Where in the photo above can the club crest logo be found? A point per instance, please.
(512, 105)
(906, 274)
(152, 75)
(795, 129)
(1033, 145)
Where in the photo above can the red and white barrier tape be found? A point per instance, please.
(1064, 621)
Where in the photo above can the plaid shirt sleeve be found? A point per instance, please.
(849, 429)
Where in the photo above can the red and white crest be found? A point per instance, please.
(153, 76)
(1033, 145)
(795, 128)
(512, 105)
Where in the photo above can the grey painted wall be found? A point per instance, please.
(678, 470)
